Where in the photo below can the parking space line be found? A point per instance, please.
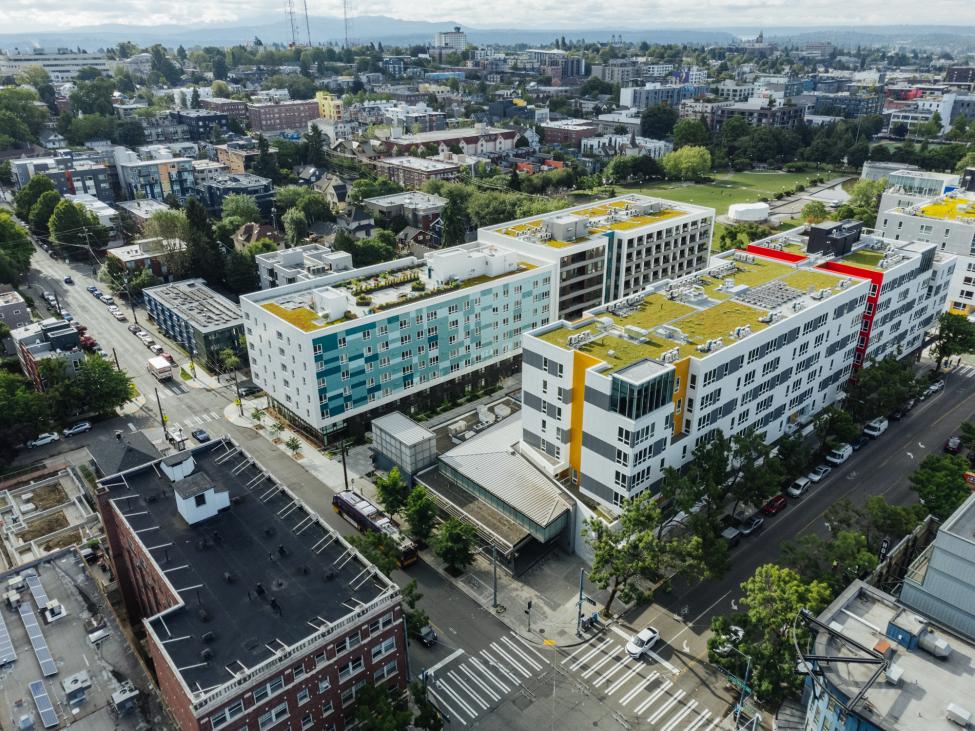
(599, 648)
(481, 684)
(507, 673)
(517, 651)
(444, 704)
(528, 647)
(596, 667)
(619, 683)
(680, 716)
(639, 686)
(699, 721)
(649, 701)
(674, 699)
(612, 671)
(477, 663)
(453, 694)
(470, 691)
(517, 666)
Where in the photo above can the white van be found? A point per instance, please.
(876, 427)
(840, 454)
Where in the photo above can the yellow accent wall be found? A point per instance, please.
(581, 362)
(682, 370)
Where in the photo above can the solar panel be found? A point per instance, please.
(7, 654)
(37, 589)
(43, 702)
(37, 641)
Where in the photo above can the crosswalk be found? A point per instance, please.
(644, 688)
(468, 685)
(965, 371)
(171, 390)
(198, 419)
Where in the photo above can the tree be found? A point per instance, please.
(454, 543)
(195, 98)
(42, 210)
(967, 434)
(240, 272)
(314, 147)
(876, 519)
(814, 212)
(453, 221)
(835, 427)
(23, 412)
(835, 562)
(956, 336)
(793, 454)
(72, 225)
(691, 132)
(34, 75)
(264, 165)
(968, 161)
(657, 122)
(27, 196)
(881, 387)
(379, 549)
(420, 513)
(637, 551)
(6, 173)
(393, 491)
(293, 444)
(93, 97)
(276, 428)
(940, 482)
(687, 163)
(755, 474)
(377, 709)
(416, 619)
(15, 250)
(242, 206)
(295, 227)
(427, 716)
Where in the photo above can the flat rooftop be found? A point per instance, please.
(961, 523)
(267, 538)
(407, 199)
(947, 208)
(421, 164)
(196, 303)
(64, 577)
(587, 222)
(677, 319)
(441, 135)
(928, 685)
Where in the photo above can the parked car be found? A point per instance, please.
(96, 293)
(91, 288)
(876, 427)
(200, 435)
(80, 428)
(68, 280)
(427, 636)
(839, 455)
(147, 341)
(859, 442)
(67, 316)
(898, 414)
(751, 524)
(775, 505)
(134, 329)
(732, 536)
(799, 488)
(41, 439)
(107, 299)
(935, 387)
(101, 352)
(120, 316)
(642, 642)
(155, 349)
(818, 473)
(168, 357)
(249, 391)
(953, 445)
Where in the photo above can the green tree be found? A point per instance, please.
(956, 336)
(377, 709)
(371, 188)
(773, 597)
(73, 226)
(244, 207)
(691, 132)
(42, 210)
(27, 196)
(814, 212)
(420, 513)
(876, 519)
(378, 548)
(881, 387)
(427, 716)
(623, 559)
(835, 561)
(23, 413)
(34, 75)
(454, 543)
(20, 104)
(295, 227)
(6, 173)
(940, 482)
(793, 454)
(15, 250)
(755, 474)
(93, 97)
(453, 221)
(240, 272)
(416, 618)
(657, 122)
(393, 491)
(195, 98)
(293, 444)
(835, 427)
(313, 147)
(687, 163)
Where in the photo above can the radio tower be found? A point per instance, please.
(307, 24)
(289, 8)
(345, 11)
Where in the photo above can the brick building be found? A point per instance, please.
(233, 108)
(568, 132)
(413, 172)
(254, 610)
(275, 116)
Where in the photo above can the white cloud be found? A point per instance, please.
(36, 15)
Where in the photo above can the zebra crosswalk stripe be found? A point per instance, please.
(578, 663)
(527, 646)
(649, 701)
(511, 660)
(680, 716)
(470, 691)
(480, 683)
(515, 649)
(639, 687)
(477, 663)
(699, 721)
(596, 667)
(507, 673)
(444, 704)
(619, 683)
(611, 672)
(453, 694)
(666, 706)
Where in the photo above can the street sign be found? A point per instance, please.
(591, 600)
(165, 418)
(884, 548)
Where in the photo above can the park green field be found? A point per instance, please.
(729, 188)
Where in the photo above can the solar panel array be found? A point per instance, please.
(7, 654)
(43, 702)
(37, 589)
(48, 666)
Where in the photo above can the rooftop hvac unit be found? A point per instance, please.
(893, 674)
(934, 645)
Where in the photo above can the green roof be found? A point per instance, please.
(866, 258)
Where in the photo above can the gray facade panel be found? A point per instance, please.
(531, 401)
(597, 398)
(605, 492)
(531, 358)
(532, 440)
(598, 446)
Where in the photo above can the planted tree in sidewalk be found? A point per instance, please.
(876, 519)
(755, 474)
(276, 428)
(793, 454)
(293, 444)
(393, 491)
(834, 427)
(940, 482)
(427, 716)
(881, 387)
(454, 543)
(956, 336)
(835, 561)
(421, 513)
(257, 415)
(378, 709)
(378, 548)
(627, 560)
(416, 618)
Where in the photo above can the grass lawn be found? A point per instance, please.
(728, 188)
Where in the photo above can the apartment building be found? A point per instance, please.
(760, 114)
(455, 40)
(152, 254)
(479, 140)
(233, 108)
(156, 178)
(651, 94)
(14, 313)
(71, 173)
(299, 264)
(610, 145)
(568, 132)
(279, 116)
(273, 620)
(52, 338)
(419, 209)
(947, 221)
(735, 91)
(617, 71)
(336, 351)
(61, 65)
(106, 215)
(330, 107)
(412, 172)
(214, 190)
(202, 124)
(612, 248)
(762, 339)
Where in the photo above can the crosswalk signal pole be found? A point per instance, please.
(529, 613)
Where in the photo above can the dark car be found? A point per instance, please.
(249, 390)
(201, 435)
(68, 280)
(774, 505)
(953, 445)
(752, 524)
(427, 636)
(897, 414)
(859, 442)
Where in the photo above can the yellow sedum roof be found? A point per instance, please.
(301, 317)
(950, 209)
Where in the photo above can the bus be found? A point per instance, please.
(366, 516)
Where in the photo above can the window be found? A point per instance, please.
(324, 684)
(386, 671)
(307, 721)
(200, 500)
(298, 671)
(380, 624)
(268, 689)
(341, 341)
(276, 714)
(348, 695)
(387, 646)
(350, 668)
(227, 714)
(303, 696)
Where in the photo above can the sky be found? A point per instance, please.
(35, 15)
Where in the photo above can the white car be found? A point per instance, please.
(876, 427)
(119, 315)
(41, 439)
(819, 473)
(642, 642)
(80, 428)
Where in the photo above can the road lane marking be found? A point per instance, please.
(504, 671)
(477, 663)
(649, 701)
(132, 427)
(453, 694)
(612, 671)
(713, 723)
(643, 685)
(470, 691)
(452, 656)
(578, 663)
(511, 660)
(674, 699)
(622, 681)
(444, 704)
(516, 650)
(700, 721)
(529, 647)
(480, 683)
(680, 716)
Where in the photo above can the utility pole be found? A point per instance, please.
(345, 14)
(528, 611)
(582, 574)
(162, 417)
(345, 469)
(307, 24)
(494, 564)
(115, 355)
(240, 401)
(128, 293)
